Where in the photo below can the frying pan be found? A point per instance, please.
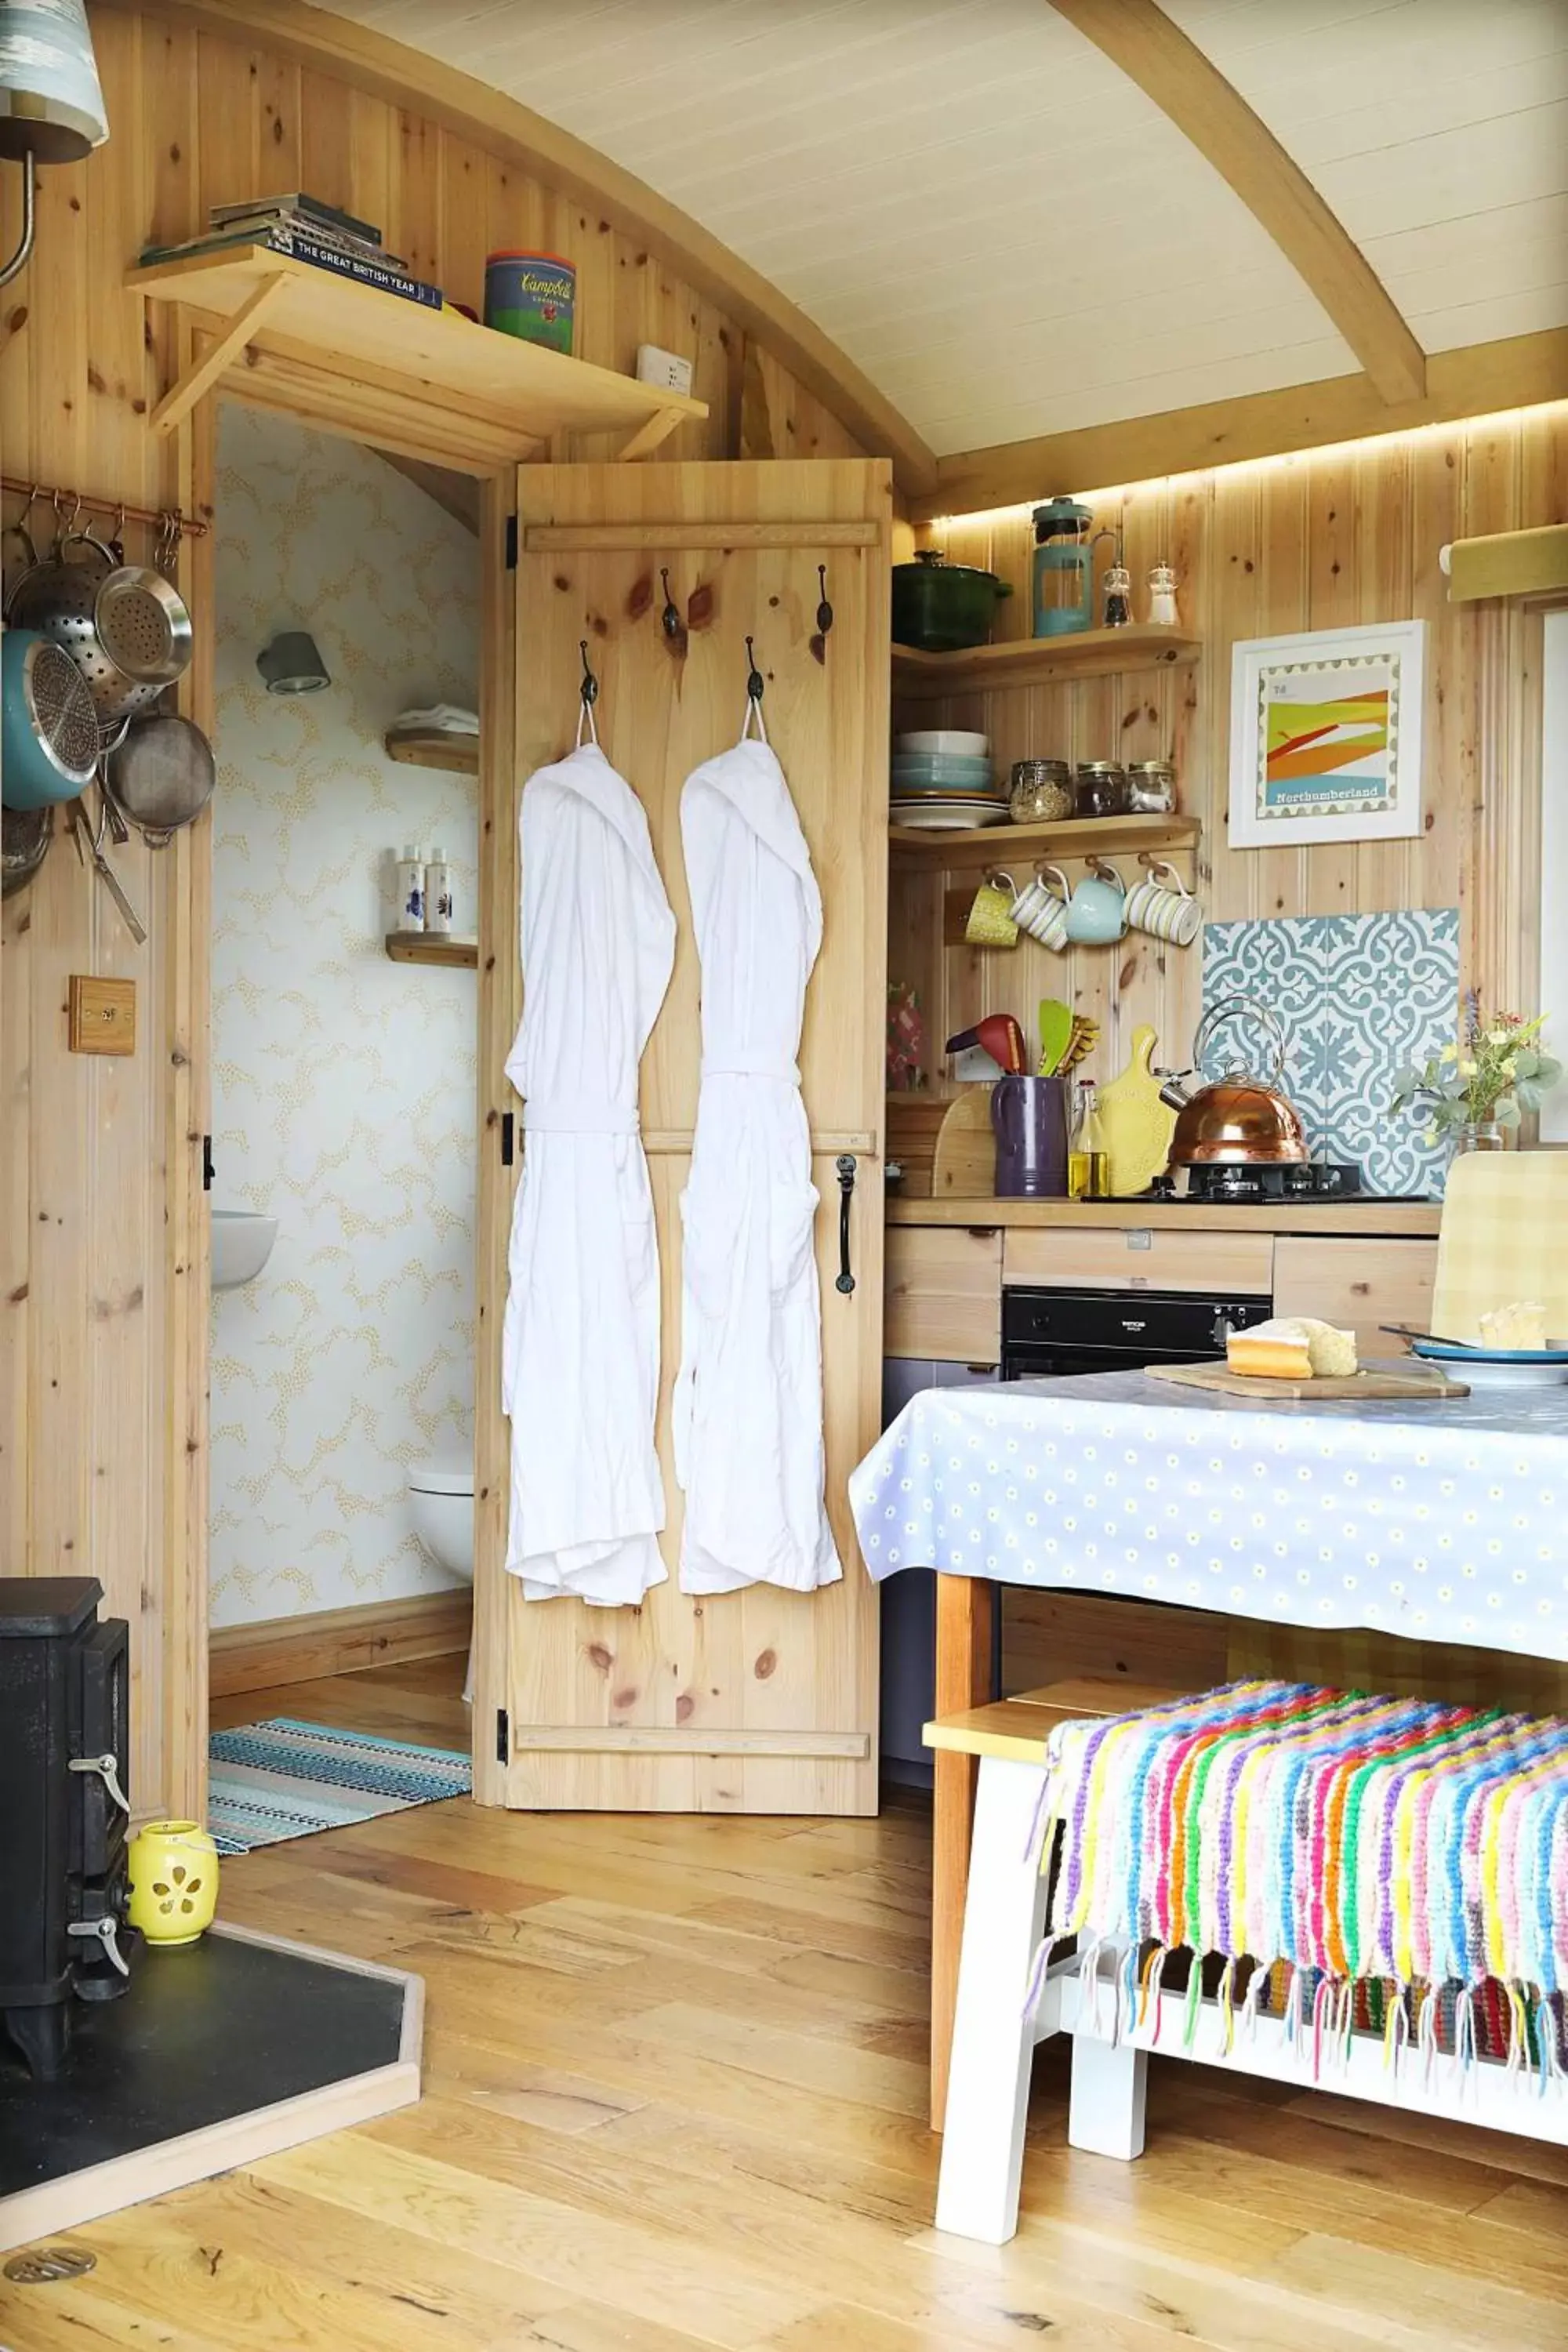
(161, 776)
(25, 837)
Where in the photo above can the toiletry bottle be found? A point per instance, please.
(410, 889)
(438, 892)
(1088, 1161)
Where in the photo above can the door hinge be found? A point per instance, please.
(512, 542)
(508, 1132)
(208, 1169)
(503, 1736)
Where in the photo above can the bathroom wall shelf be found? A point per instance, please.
(1036, 661)
(457, 753)
(1100, 836)
(433, 946)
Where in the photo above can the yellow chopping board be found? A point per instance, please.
(963, 1162)
(1327, 1388)
(1137, 1124)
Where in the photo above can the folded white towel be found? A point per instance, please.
(441, 718)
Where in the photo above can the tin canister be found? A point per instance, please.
(532, 296)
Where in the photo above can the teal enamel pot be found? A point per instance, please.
(49, 741)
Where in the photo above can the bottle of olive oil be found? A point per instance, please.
(1088, 1161)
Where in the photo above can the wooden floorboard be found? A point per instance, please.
(674, 2082)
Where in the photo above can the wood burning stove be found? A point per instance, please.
(64, 1688)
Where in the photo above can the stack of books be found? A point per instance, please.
(311, 231)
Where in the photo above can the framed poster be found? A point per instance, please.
(1325, 736)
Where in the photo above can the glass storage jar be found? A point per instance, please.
(1150, 787)
(1041, 793)
(1102, 788)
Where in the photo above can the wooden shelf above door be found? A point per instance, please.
(1039, 661)
(1098, 837)
(460, 754)
(255, 302)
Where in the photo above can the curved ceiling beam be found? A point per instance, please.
(1171, 70)
(409, 78)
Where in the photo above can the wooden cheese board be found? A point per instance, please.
(1359, 1386)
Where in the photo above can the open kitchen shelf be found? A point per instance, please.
(1097, 837)
(433, 946)
(458, 753)
(1036, 661)
(269, 302)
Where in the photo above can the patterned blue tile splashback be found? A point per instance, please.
(1362, 995)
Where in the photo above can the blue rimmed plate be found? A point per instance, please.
(1543, 1367)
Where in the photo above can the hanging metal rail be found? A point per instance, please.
(70, 502)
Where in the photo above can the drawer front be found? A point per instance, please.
(943, 1294)
(1357, 1284)
(1108, 1258)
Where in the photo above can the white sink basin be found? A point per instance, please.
(242, 1243)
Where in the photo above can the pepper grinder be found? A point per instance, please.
(1162, 611)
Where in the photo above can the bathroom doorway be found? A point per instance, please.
(343, 1056)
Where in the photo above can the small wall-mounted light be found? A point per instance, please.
(51, 106)
(291, 664)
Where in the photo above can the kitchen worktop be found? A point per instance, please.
(1365, 1216)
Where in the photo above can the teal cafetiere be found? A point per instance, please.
(1064, 568)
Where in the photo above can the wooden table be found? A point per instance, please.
(1537, 1420)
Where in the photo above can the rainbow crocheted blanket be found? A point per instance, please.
(1387, 1843)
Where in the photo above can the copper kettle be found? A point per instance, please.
(1236, 1119)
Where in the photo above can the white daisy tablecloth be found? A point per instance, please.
(1445, 1523)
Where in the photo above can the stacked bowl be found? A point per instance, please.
(942, 781)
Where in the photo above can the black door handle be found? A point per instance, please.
(846, 1167)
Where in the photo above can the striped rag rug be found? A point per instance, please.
(281, 1778)
(1384, 1863)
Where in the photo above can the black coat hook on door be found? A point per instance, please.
(669, 619)
(754, 685)
(824, 609)
(590, 686)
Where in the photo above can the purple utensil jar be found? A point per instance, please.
(1029, 1119)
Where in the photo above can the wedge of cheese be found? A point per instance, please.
(1521, 1324)
(1291, 1348)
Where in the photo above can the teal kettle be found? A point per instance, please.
(49, 741)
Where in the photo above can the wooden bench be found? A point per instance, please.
(1014, 1728)
(1000, 2015)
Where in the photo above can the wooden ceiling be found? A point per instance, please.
(1007, 233)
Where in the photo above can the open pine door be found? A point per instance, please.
(759, 1701)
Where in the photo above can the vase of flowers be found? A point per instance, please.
(1476, 1090)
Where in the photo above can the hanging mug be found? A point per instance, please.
(1041, 912)
(989, 923)
(1097, 911)
(1163, 905)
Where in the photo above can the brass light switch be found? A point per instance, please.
(102, 1016)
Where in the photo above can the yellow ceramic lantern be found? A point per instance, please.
(174, 1880)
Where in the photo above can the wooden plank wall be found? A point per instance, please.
(1327, 540)
(103, 1263)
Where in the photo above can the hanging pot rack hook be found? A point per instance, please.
(590, 686)
(755, 681)
(20, 257)
(824, 609)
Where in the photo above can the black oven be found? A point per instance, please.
(1049, 1334)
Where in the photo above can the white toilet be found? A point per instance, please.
(441, 1505)
(441, 1502)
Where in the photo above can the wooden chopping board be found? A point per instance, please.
(1437, 1389)
(964, 1164)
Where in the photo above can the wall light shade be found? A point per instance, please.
(291, 664)
(51, 103)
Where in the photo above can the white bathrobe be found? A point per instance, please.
(748, 1401)
(580, 1345)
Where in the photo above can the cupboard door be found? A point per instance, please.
(1359, 1285)
(943, 1291)
(760, 1701)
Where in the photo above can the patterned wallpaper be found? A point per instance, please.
(1361, 996)
(343, 1084)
